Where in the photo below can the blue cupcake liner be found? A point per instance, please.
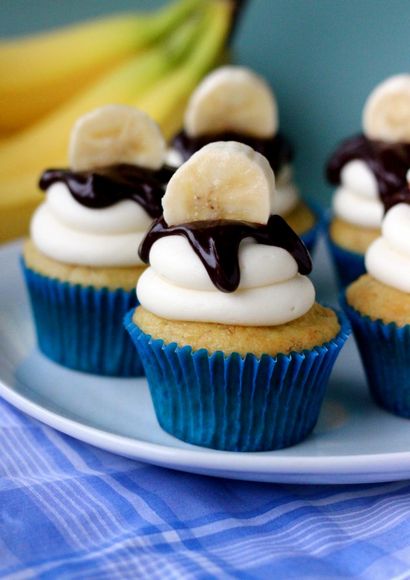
(310, 237)
(236, 403)
(348, 265)
(385, 352)
(81, 327)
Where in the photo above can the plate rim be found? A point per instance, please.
(258, 462)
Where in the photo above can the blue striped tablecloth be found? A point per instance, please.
(69, 510)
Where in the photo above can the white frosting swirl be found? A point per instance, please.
(69, 232)
(271, 292)
(388, 257)
(357, 200)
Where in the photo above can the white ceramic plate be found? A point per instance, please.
(353, 442)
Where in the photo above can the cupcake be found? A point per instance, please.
(234, 104)
(81, 262)
(236, 351)
(367, 168)
(378, 305)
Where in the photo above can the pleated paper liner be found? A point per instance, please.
(232, 402)
(385, 352)
(82, 327)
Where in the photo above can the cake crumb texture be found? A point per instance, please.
(379, 301)
(351, 237)
(316, 327)
(111, 278)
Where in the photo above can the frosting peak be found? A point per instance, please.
(69, 232)
(368, 172)
(388, 162)
(98, 218)
(388, 257)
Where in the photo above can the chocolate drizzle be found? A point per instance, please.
(388, 161)
(216, 243)
(277, 149)
(107, 186)
(402, 196)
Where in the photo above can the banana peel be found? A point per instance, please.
(23, 196)
(166, 98)
(47, 141)
(39, 73)
(164, 77)
(15, 220)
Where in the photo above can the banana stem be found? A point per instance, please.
(168, 97)
(213, 40)
(165, 19)
(178, 44)
(238, 7)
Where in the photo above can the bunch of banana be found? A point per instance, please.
(150, 61)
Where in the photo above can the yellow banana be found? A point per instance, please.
(40, 72)
(17, 205)
(46, 142)
(15, 220)
(165, 101)
(172, 124)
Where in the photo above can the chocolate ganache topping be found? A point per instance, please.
(277, 149)
(107, 186)
(388, 161)
(216, 243)
(402, 196)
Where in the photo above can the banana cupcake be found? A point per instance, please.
(81, 261)
(378, 305)
(236, 351)
(367, 168)
(234, 104)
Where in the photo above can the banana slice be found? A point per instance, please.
(223, 180)
(232, 98)
(116, 134)
(386, 115)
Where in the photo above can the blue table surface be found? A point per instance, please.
(69, 510)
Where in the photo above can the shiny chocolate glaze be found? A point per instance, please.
(277, 150)
(216, 243)
(402, 196)
(388, 161)
(107, 186)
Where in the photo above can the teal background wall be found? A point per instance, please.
(322, 57)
